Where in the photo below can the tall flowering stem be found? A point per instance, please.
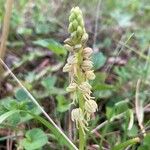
(79, 66)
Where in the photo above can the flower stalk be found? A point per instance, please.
(79, 66)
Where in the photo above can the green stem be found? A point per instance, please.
(81, 100)
(81, 134)
(81, 139)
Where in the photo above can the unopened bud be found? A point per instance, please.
(74, 35)
(75, 24)
(70, 28)
(72, 17)
(77, 11)
(80, 20)
(84, 38)
(79, 31)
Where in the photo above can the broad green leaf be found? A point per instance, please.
(63, 104)
(35, 139)
(21, 95)
(49, 82)
(19, 117)
(52, 45)
(98, 59)
(60, 137)
(110, 112)
(146, 140)
(143, 147)
(123, 19)
(103, 94)
(133, 131)
(121, 106)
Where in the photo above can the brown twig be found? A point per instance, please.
(5, 30)
(6, 24)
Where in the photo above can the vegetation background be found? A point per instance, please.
(119, 35)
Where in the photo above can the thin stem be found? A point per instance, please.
(81, 100)
(81, 134)
(5, 31)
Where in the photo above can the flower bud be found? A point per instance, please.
(91, 106)
(72, 10)
(75, 24)
(72, 87)
(84, 38)
(77, 11)
(70, 28)
(77, 114)
(90, 74)
(80, 20)
(85, 87)
(72, 17)
(87, 65)
(79, 31)
(87, 52)
(74, 35)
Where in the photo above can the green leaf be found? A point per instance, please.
(21, 95)
(35, 139)
(121, 106)
(143, 147)
(133, 132)
(103, 94)
(60, 137)
(146, 140)
(62, 105)
(99, 60)
(52, 45)
(123, 19)
(19, 117)
(110, 112)
(49, 82)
